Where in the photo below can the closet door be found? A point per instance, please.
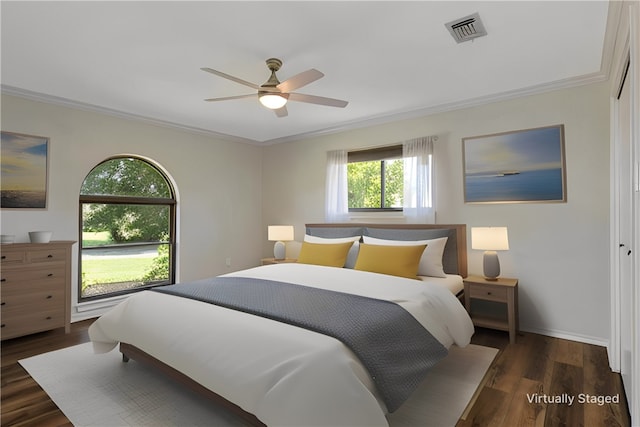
(625, 237)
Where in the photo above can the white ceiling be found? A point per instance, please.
(389, 59)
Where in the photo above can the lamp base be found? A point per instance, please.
(279, 250)
(491, 265)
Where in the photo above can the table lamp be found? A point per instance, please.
(280, 234)
(490, 239)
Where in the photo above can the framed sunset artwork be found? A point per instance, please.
(524, 166)
(24, 163)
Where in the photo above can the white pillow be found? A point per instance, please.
(352, 256)
(431, 261)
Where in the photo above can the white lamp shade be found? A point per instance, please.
(489, 238)
(280, 233)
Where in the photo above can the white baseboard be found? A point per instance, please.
(569, 336)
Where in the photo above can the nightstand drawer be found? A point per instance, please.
(488, 292)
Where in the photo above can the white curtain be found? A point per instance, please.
(336, 203)
(418, 197)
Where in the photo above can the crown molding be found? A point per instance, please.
(442, 108)
(343, 127)
(65, 102)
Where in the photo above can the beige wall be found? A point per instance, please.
(559, 251)
(229, 192)
(218, 183)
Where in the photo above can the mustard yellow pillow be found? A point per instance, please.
(400, 261)
(330, 255)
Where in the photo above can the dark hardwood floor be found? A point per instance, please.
(535, 364)
(538, 365)
(22, 401)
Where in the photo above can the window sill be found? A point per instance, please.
(394, 215)
(90, 309)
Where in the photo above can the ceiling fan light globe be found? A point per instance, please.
(272, 101)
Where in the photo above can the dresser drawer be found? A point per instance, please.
(54, 275)
(12, 257)
(47, 255)
(488, 292)
(15, 301)
(17, 324)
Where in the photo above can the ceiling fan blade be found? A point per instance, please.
(320, 100)
(300, 80)
(230, 77)
(281, 112)
(227, 98)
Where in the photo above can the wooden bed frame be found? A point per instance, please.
(130, 351)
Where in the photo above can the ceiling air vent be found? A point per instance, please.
(467, 28)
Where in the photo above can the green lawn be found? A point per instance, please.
(111, 270)
(114, 270)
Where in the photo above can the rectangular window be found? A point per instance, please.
(118, 254)
(375, 179)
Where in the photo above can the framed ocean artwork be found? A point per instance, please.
(524, 166)
(23, 163)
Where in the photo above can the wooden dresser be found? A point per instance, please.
(35, 287)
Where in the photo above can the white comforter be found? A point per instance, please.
(284, 375)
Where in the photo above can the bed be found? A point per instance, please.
(279, 374)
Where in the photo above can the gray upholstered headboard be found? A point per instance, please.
(454, 259)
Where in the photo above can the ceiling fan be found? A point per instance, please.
(274, 94)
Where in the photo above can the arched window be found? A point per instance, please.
(127, 224)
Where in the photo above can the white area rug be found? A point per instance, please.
(99, 390)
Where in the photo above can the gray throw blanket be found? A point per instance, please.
(393, 346)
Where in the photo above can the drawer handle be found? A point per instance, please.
(3, 280)
(3, 325)
(50, 275)
(49, 256)
(49, 296)
(4, 257)
(48, 317)
(3, 303)
(488, 293)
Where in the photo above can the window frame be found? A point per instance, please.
(130, 200)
